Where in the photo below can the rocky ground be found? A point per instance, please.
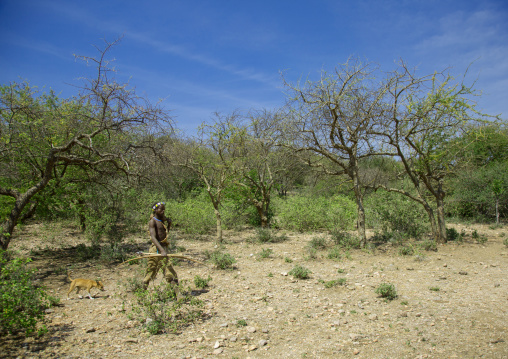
(451, 303)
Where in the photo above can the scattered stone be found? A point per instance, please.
(264, 330)
(224, 325)
(373, 317)
(356, 351)
(49, 310)
(218, 351)
(217, 345)
(355, 337)
(284, 274)
(463, 272)
(262, 343)
(251, 329)
(90, 330)
(233, 339)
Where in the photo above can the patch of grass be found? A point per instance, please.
(406, 250)
(452, 234)
(311, 253)
(345, 239)
(334, 283)
(318, 243)
(335, 254)
(200, 282)
(265, 253)
(266, 235)
(288, 260)
(435, 289)
(505, 242)
(340, 270)
(429, 245)
(241, 323)
(300, 272)
(387, 290)
(221, 260)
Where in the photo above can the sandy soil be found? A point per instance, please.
(451, 303)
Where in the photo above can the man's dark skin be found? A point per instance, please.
(156, 228)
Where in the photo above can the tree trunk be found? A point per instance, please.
(497, 211)
(441, 215)
(219, 225)
(361, 211)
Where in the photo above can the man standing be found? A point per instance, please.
(160, 244)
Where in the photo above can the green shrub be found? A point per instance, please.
(301, 213)
(451, 234)
(429, 245)
(345, 239)
(265, 253)
(311, 253)
(266, 235)
(220, 260)
(201, 282)
(300, 272)
(335, 253)
(505, 242)
(395, 213)
(317, 243)
(160, 311)
(241, 323)
(22, 304)
(387, 290)
(333, 283)
(407, 250)
(288, 260)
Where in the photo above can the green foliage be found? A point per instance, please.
(220, 259)
(241, 323)
(505, 241)
(22, 304)
(299, 213)
(201, 283)
(435, 289)
(266, 235)
(406, 250)
(396, 215)
(335, 254)
(318, 243)
(288, 260)
(429, 245)
(334, 283)
(193, 216)
(387, 290)
(345, 239)
(161, 312)
(300, 272)
(265, 253)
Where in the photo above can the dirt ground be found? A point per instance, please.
(451, 303)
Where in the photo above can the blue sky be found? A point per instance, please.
(207, 56)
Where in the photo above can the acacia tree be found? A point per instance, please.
(334, 118)
(263, 166)
(423, 116)
(212, 158)
(43, 137)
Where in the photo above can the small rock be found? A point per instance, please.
(233, 339)
(217, 345)
(356, 351)
(90, 330)
(262, 343)
(218, 351)
(284, 274)
(264, 330)
(373, 317)
(251, 329)
(463, 272)
(251, 348)
(224, 325)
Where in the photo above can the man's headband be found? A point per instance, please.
(157, 205)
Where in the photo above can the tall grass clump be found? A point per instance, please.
(301, 213)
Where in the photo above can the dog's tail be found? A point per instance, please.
(69, 275)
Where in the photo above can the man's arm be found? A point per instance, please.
(153, 236)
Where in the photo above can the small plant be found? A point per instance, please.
(452, 234)
(311, 253)
(505, 242)
(220, 259)
(317, 243)
(340, 270)
(201, 283)
(475, 234)
(333, 283)
(435, 289)
(407, 250)
(404, 302)
(334, 254)
(429, 245)
(265, 253)
(345, 239)
(300, 272)
(161, 312)
(387, 290)
(265, 235)
(241, 323)
(288, 260)
(270, 275)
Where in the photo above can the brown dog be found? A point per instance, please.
(87, 284)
